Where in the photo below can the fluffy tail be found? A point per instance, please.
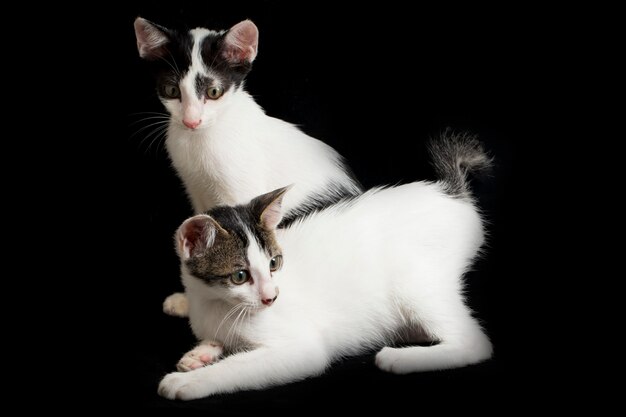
(454, 156)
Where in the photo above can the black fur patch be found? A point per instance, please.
(231, 220)
(315, 202)
(244, 218)
(202, 83)
(175, 63)
(231, 74)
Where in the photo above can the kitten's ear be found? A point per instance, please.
(151, 39)
(196, 234)
(269, 207)
(241, 43)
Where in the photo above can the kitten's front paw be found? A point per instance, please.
(176, 305)
(388, 360)
(201, 355)
(182, 386)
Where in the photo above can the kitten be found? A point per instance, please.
(223, 146)
(376, 270)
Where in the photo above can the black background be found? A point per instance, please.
(373, 82)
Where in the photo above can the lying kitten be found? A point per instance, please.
(379, 269)
(221, 143)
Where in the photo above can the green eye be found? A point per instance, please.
(239, 277)
(214, 92)
(276, 263)
(171, 91)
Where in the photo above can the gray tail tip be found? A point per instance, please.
(455, 156)
(460, 149)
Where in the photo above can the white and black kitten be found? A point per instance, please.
(378, 270)
(221, 143)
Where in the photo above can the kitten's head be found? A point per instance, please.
(198, 71)
(233, 250)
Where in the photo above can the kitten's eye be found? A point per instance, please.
(239, 277)
(276, 263)
(171, 91)
(214, 92)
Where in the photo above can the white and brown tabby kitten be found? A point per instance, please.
(377, 270)
(223, 146)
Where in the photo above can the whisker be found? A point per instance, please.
(158, 133)
(162, 140)
(232, 333)
(226, 317)
(156, 129)
(148, 126)
(149, 118)
(149, 112)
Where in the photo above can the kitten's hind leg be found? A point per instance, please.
(461, 342)
(176, 305)
(205, 353)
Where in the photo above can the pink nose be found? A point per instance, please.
(192, 124)
(268, 301)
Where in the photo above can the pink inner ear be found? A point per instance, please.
(150, 40)
(195, 235)
(271, 216)
(242, 42)
(191, 236)
(187, 246)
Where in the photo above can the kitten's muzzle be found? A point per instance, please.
(268, 292)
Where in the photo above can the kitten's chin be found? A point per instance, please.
(198, 129)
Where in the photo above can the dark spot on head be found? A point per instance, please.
(202, 84)
(246, 218)
(334, 193)
(175, 61)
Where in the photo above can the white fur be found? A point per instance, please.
(192, 105)
(265, 286)
(389, 270)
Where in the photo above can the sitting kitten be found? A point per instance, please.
(221, 143)
(379, 269)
